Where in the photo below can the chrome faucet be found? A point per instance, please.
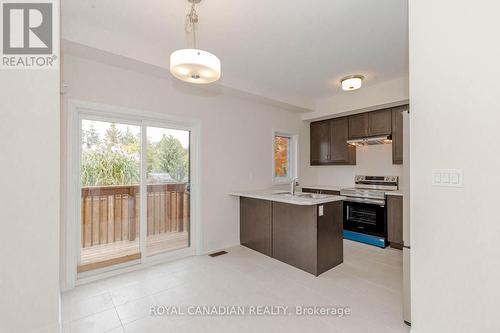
(294, 184)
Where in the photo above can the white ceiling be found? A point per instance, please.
(294, 51)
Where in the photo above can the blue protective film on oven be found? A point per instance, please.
(363, 238)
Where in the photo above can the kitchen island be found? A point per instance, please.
(303, 230)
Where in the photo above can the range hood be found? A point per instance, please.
(374, 140)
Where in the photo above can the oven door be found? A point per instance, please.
(367, 218)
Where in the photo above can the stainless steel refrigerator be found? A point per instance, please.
(406, 220)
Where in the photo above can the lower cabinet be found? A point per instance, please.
(294, 235)
(395, 221)
(330, 241)
(306, 237)
(256, 224)
(306, 240)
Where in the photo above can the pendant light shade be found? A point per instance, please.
(195, 66)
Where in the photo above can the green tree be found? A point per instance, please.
(114, 159)
(130, 143)
(170, 157)
(113, 137)
(102, 167)
(90, 137)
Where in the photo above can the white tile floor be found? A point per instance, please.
(368, 282)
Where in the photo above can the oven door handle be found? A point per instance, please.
(380, 203)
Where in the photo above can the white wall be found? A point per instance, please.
(384, 94)
(29, 200)
(455, 115)
(236, 142)
(373, 160)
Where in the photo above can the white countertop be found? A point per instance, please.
(273, 195)
(339, 187)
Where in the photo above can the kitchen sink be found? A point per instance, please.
(312, 195)
(288, 194)
(303, 195)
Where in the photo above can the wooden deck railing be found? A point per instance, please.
(111, 213)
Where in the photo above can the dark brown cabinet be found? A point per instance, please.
(380, 122)
(397, 134)
(340, 151)
(306, 239)
(368, 124)
(358, 126)
(329, 143)
(256, 224)
(329, 137)
(395, 220)
(320, 142)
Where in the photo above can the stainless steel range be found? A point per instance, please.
(364, 209)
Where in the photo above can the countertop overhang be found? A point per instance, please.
(278, 196)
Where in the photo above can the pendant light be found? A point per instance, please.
(194, 65)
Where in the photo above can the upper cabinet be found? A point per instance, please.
(380, 122)
(329, 143)
(320, 142)
(329, 137)
(370, 124)
(397, 134)
(340, 151)
(358, 126)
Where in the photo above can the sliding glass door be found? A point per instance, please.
(167, 190)
(110, 205)
(133, 177)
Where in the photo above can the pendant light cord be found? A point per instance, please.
(191, 23)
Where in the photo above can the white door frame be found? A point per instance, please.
(81, 109)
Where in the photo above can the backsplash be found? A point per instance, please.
(373, 160)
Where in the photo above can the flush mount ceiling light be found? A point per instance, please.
(352, 82)
(194, 65)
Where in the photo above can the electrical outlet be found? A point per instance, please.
(447, 177)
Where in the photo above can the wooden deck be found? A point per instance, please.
(105, 255)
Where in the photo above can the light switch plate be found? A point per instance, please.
(448, 177)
